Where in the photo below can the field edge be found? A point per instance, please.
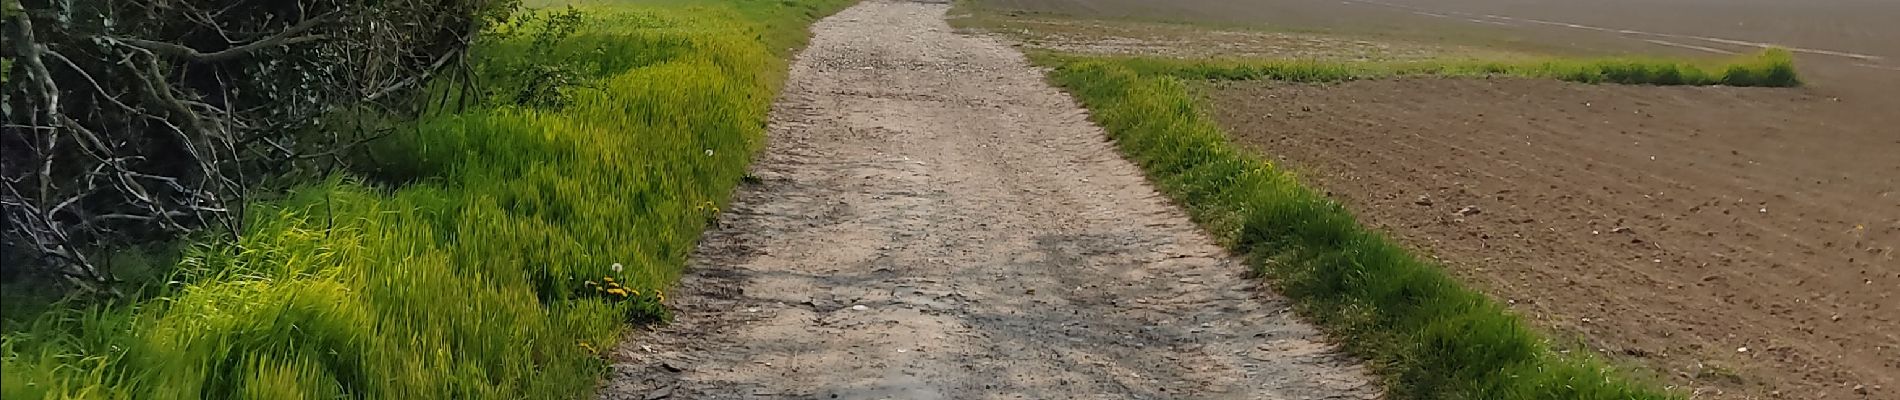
(1771, 67)
(1427, 335)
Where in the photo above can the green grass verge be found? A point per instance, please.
(469, 280)
(1428, 336)
(1768, 68)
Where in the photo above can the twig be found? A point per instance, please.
(284, 38)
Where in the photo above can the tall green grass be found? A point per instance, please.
(1768, 68)
(1427, 335)
(470, 279)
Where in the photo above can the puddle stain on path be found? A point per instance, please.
(932, 220)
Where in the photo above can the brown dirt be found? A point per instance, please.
(1073, 36)
(932, 220)
(1743, 240)
(1847, 48)
(1856, 26)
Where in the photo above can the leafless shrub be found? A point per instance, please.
(136, 120)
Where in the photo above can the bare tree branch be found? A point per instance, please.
(285, 38)
(132, 120)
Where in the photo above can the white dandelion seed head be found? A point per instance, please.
(616, 267)
(709, 152)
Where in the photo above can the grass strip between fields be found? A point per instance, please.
(1426, 334)
(470, 279)
(1767, 68)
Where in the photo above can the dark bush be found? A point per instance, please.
(130, 121)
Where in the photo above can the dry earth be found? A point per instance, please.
(1743, 240)
(1668, 262)
(931, 220)
(1087, 37)
(1847, 49)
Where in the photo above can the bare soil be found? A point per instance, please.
(1091, 37)
(1743, 241)
(930, 219)
(1847, 49)
(1863, 27)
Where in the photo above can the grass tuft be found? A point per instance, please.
(1427, 335)
(484, 274)
(1768, 68)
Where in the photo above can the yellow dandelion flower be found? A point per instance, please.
(617, 292)
(609, 279)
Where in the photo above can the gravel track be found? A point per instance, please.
(930, 220)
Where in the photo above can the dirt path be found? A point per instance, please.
(932, 220)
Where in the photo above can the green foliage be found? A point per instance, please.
(540, 71)
(1769, 68)
(1426, 334)
(1773, 67)
(481, 277)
